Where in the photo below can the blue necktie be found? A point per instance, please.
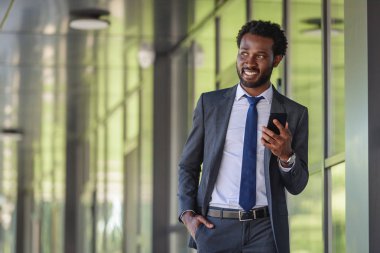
(247, 198)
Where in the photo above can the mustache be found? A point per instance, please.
(250, 69)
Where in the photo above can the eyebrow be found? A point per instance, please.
(262, 52)
(259, 52)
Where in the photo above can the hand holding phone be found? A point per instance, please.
(281, 117)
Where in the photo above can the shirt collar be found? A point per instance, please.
(267, 94)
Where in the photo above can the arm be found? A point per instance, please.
(190, 163)
(284, 145)
(296, 179)
(189, 172)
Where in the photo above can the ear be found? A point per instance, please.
(277, 59)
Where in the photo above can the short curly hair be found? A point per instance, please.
(265, 29)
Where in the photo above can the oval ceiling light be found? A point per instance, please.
(146, 55)
(89, 19)
(315, 26)
(89, 24)
(11, 134)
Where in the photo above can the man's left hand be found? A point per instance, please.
(280, 145)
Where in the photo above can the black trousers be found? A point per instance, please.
(234, 236)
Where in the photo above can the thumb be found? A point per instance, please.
(203, 220)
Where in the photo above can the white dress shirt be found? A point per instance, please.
(227, 187)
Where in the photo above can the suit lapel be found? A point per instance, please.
(223, 113)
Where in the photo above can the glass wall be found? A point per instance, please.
(337, 111)
(336, 133)
(49, 164)
(338, 210)
(8, 159)
(204, 60)
(306, 217)
(260, 10)
(121, 132)
(106, 134)
(8, 196)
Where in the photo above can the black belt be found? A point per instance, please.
(253, 214)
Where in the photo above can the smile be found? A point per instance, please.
(250, 73)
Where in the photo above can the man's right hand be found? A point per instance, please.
(192, 221)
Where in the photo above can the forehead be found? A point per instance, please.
(252, 41)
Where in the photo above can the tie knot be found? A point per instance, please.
(254, 100)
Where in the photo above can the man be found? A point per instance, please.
(239, 203)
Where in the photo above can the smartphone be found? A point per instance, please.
(281, 117)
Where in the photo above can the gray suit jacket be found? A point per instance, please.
(205, 146)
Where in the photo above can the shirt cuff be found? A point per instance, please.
(180, 217)
(285, 169)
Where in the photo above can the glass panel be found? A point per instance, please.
(101, 92)
(146, 164)
(100, 190)
(132, 71)
(115, 72)
(305, 86)
(8, 196)
(337, 110)
(202, 8)
(305, 217)
(101, 80)
(305, 78)
(114, 85)
(115, 46)
(260, 10)
(114, 182)
(338, 208)
(132, 125)
(204, 60)
(49, 167)
(229, 28)
(132, 170)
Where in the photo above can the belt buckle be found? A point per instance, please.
(241, 214)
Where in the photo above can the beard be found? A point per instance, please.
(263, 79)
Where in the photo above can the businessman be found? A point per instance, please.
(236, 201)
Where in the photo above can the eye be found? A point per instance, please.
(260, 57)
(243, 53)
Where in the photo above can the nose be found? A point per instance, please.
(251, 62)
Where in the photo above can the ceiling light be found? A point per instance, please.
(315, 26)
(10, 134)
(146, 55)
(89, 19)
(199, 55)
(318, 31)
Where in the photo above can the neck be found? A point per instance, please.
(254, 92)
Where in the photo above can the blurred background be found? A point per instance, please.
(93, 121)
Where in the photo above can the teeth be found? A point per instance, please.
(250, 72)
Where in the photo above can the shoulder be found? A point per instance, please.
(290, 103)
(218, 94)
